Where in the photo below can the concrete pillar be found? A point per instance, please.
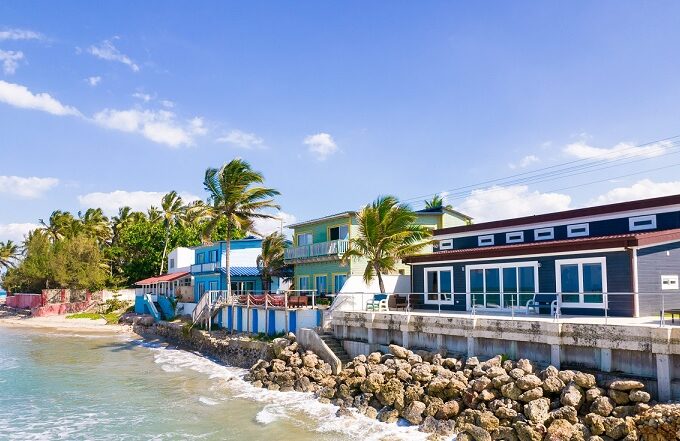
(370, 338)
(663, 377)
(605, 360)
(471, 347)
(512, 350)
(405, 339)
(440, 342)
(345, 331)
(555, 355)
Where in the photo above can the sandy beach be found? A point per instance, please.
(61, 323)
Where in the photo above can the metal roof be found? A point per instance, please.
(164, 278)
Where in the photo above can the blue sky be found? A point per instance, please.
(335, 102)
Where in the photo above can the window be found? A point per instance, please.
(320, 285)
(515, 237)
(338, 281)
(438, 284)
(446, 244)
(213, 286)
(303, 283)
(642, 223)
(304, 239)
(669, 282)
(171, 265)
(200, 258)
(577, 230)
(213, 256)
(201, 289)
(483, 241)
(544, 234)
(503, 285)
(338, 233)
(582, 281)
(243, 287)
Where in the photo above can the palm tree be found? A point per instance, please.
(59, 225)
(270, 261)
(387, 233)
(9, 253)
(235, 196)
(172, 215)
(95, 225)
(436, 202)
(154, 214)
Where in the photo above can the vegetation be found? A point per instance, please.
(235, 196)
(387, 233)
(270, 261)
(90, 251)
(436, 202)
(111, 318)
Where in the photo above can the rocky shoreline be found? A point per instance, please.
(497, 399)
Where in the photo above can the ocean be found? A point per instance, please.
(57, 386)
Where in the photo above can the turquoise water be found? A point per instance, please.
(63, 387)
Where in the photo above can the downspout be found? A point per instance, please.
(634, 277)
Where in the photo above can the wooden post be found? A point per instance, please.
(285, 309)
(248, 312)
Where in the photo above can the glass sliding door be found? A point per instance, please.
(582, 282)
(492, 280)
(502, 285)
(438, 285)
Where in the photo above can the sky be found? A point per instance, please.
(115, 103)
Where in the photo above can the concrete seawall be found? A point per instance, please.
(648, 352)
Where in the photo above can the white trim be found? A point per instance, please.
(579, 262)
(539, 233)
(565, 221)
(585, 227)
(446, 244)
(636, 299)
(650, 223)
(500, 266)
(485, 241)
(518, 237)
(437, 269)
(519, 256)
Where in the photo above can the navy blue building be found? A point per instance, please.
(622, 257)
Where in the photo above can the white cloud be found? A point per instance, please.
(10, 60)
(138, 200)
(142, 96)
(268, 226)
(643, 189)
(20, 34)
(321, 145)
(168, 104)
(15, 231)
(525, 162)
(498, 202)
(19, 96)
(94, 81)
(241, 139)
(107, 51)
(583, 150)
(159, 126)
(29, 188)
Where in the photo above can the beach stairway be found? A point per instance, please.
(150, 306)
(336, 346)
(210, 303)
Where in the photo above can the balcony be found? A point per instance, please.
(333, 249)
(204, 267)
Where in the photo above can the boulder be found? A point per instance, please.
(525, 432)
(571, 396)
(525, 365)
(429, 425)
(559, 430)
(586, 381)
(477, 433)
(602, 406)
(620, 397)
(537, 410)
(626, 385)
(531, 395)
(528, 382)
(399, 352)
(511, 391)
(552, 385)
(639, 396)
(387, 415)
(413, 413)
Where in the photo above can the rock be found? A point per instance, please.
(504, 433)
(487, 421)
(344, 412)
(531, 395)
(372, 383)
(422, 373)
(566, 376)
(623, 411)
(399, 352)
(374, 358)
(586, 381)
(537, 410)
(495, 371)
(567, 413)
(371, 412)
(449, 410)
(626, 385)
(511, 391)
(639, 396)
(525, 365)
(387, 415)
(445, 428)
(559, 430)
(615, 428)
(571, 396)
(595, 423)
(472, 362)
(595, 392)
(413, 413)
(505, 413)
(602, 406)
(429, 425)
(310, 360)
(552, 384)
(476, 432)
(479, 384)
(620, 397)
(525, 432)
(517, 373)
(389, 392)
(528, 382)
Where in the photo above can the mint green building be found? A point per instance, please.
(318, 246)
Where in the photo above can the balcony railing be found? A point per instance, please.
(204, 267)
(333, 248)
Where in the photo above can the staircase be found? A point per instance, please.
(336, 346)
(208, 306)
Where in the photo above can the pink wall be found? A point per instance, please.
(23, 301)
(59, 309)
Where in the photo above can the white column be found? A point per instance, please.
(405, 339)
(440, 342)
(555, 357)
(471, 347)
(370, 338)
(605, 360)
(663, 377)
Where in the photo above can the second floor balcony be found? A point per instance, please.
(333, 249)
(205, 267)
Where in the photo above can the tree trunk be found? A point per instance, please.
(380, 280)
(227, 263)
(165, 250)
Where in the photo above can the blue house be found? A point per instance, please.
(620, 258)
(209, 269)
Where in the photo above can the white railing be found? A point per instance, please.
(204, 267)
(600, 306)
(152, 306)
(321, 249)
